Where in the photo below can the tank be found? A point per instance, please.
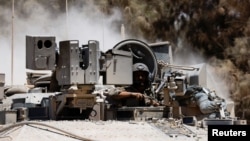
(72, 94)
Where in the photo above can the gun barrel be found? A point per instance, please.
(183, 67)
(161, 86)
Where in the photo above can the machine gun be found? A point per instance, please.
(185, 88)
(169, 77)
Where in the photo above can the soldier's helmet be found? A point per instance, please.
(140, 74)
(140, 67)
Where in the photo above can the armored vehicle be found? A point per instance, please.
(70, 89)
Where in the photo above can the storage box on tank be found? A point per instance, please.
(119, 68)
(7, 117)
(1, 93)
(2, 79)
(2, 82)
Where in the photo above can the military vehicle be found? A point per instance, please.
(71, 82)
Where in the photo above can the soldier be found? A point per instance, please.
(133, 95)
(208, 102)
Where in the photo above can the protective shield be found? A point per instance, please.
(141, 52)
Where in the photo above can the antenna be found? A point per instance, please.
(123, 32)
(12, 42)
(66, 7)
(103, 28)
